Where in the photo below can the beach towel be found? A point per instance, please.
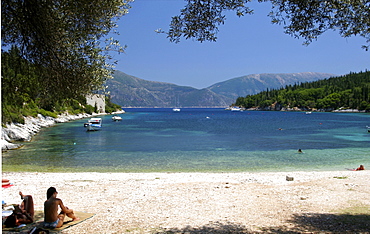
(68, 221)
(7, 185)
(39, 221)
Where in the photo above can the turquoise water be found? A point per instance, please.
(200, 140)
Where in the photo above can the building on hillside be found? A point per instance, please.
(96, 100)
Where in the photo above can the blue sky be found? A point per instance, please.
(246, 45)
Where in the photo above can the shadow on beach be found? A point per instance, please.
(305, 223)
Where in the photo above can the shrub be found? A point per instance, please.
(89, 109)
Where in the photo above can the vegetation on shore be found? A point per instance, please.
(22, 89)
(351, 91)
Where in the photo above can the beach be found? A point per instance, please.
(263, 202)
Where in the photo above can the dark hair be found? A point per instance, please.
(10, 221)
(50, 192)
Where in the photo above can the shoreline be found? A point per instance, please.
(15, 133)
(243, 202)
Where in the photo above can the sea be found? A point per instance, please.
(199, 140)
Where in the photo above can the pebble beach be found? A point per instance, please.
(271, 202)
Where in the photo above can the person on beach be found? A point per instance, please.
(51, 217)
(361, 168)
(23, 213)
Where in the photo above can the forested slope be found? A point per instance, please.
(350, 91)
(23, 92)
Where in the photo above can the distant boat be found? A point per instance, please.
(94, 124)
(116, 118)
(235, 108)
(177, 103)
(308, 112)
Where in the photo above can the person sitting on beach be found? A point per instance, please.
(361, 168)
(51, 217)
(23, 213)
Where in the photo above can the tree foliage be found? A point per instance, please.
(350, 91)
(200, 18)
(22, 89)
(306, 19)
(64, 40)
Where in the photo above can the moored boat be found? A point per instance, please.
(94, 124)
(235, 108)
(176, 109)
(116, 118)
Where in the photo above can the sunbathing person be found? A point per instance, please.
(360, 168)
(23, 213)
(51, 217)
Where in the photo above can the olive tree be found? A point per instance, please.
(66, 39)
(307, 19)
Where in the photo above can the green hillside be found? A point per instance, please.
(347, 92)
(23, 92)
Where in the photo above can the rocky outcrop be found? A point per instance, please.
(14, 133)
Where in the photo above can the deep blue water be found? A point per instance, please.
(159, 140)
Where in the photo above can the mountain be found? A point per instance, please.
(253, 84)
(130, 91)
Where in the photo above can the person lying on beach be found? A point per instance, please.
(23, 213)
(51, 217)
(360, 168)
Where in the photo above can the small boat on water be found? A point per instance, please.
(116, 118)
(308, 112)
(94, 124)
(235, 108)
(176, 109)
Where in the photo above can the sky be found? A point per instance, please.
(247, 45)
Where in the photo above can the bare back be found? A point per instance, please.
(51, 209)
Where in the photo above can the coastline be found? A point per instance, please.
(242, 202)
(14, 134)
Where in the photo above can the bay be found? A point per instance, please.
(199, 140)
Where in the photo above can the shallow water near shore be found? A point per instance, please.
(200, 140)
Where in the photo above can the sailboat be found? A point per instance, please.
(176, 109)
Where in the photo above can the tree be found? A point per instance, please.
(308, 19)
(64, 39)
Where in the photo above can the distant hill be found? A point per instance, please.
(130, 91)
(253, 84)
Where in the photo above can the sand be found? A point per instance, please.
(325, 202)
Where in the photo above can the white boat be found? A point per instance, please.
(308, 112)
(116, 118)
(177, 103)
(94, 124)
(235, 108)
